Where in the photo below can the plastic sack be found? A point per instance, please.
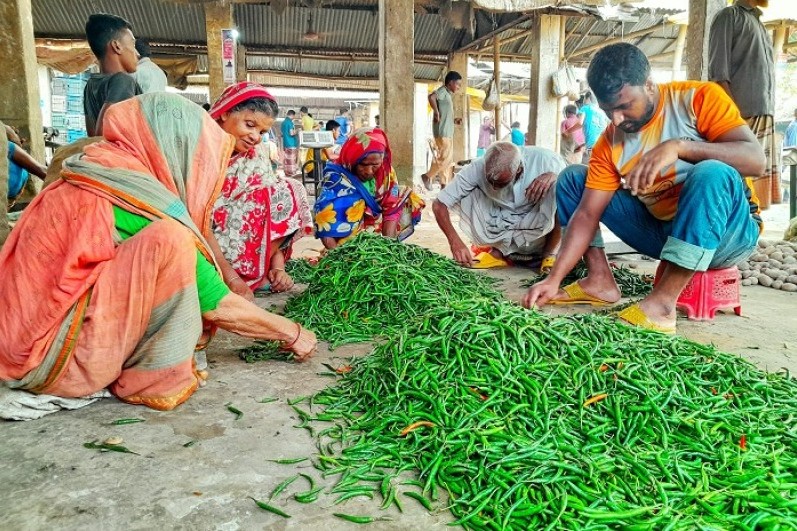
(565, 83)
(492, 99)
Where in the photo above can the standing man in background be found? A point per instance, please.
(308, 124)
(112, 42)
(148, 75)
(290, 145)
(741, 60)
(593, 121)
(486, 135)
(345, 126)
(443, 130)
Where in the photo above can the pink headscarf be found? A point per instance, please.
(238, 93)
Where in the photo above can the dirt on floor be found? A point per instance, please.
(49, 480)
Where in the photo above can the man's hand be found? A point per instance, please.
(436, 117)
(539, 187)
(642, 176)
(280, 280)
(540, 293)
(461, 253)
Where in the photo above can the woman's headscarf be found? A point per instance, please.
(238, 93)
(363, 143)
(169, 138)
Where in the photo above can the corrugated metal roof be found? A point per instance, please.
(333, 69)
(160, 21)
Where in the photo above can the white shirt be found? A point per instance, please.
(149, 76)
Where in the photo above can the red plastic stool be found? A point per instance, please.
(707, 292)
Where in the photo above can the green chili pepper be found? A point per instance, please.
(121, 422)
(289, 461)
(94, 445)
(234, 410)
(360, 519)
(282, 486)
(270, 508)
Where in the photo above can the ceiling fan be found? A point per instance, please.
(311, 34)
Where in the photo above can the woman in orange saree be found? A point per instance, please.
(108, 275)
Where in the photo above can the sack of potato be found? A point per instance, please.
(773, 265)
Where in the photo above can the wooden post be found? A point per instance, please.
(396, 102)
(19, 83)
(701, 15)
(678, 55)
(543, 128)
(497, 78)
(459, 63)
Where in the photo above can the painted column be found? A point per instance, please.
(218, 17)
(396, 75)
(544, 107)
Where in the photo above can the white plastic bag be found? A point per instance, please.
(565, 83)
(492, 99)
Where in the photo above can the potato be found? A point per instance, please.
(753, 281)
(747, 282)
(777, 255)
(744, 266)
(759, 257)
(788, 286)
(746, 274)
(764, 280)
(774, 263)
(768, 250)
(789, 259)
(764, 243)
(791, 279)
(776, 284)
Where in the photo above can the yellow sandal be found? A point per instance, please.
(635, 316)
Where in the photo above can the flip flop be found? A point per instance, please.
(547, 263)
(635, 316)
(487, 261)
(576, 295)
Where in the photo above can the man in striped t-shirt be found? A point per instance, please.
(665, 177)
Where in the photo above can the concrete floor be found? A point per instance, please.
(48, 480)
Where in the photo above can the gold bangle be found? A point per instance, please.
(298, 333)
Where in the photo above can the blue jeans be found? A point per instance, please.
(713, 228)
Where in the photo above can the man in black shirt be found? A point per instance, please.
(112, 41)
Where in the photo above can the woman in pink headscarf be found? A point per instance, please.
(259, 214)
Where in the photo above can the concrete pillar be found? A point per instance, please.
(396, 55)
(544, 107)
(459, 63)
(240, 63)
(701, 15)
(19, 84)
(218, 16)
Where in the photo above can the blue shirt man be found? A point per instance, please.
(345, 126)
(518, 138)
(790, 138)
(289, 137)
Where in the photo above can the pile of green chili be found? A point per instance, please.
(374, 286)
(580, 422)
(300, 270)
(631, 284)
(527, 421)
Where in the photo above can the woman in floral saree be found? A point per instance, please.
(360, 191)
(258, 215)
(109, 275)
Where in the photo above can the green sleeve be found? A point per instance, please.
(210, 286)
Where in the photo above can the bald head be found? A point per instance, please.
(502, 163)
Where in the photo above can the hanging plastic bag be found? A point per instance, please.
(492, 99)
(565, 83)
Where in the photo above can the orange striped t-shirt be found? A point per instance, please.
(687, 110)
